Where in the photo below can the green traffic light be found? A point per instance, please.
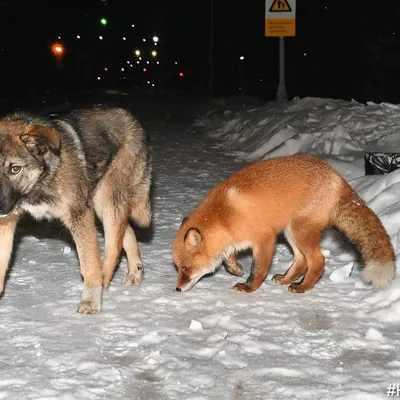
(103, 21)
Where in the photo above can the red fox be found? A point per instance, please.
(300, 195)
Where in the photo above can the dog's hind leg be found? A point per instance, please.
(135, 267)
(115, 226)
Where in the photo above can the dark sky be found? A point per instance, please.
(341, 49)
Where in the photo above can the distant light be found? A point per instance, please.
(144, 40)
(155, 39)
(157, 62)
(181, 74)
(152, 84)
(305, 54)
(98, 78)
(59, 37)
(241, 58)
(103, 21)
(261, 80)
(154, 53)
(140, 58)
(78, 37)
(148, 82)
(133, 25)
(122, 69)
(57, 49)
(147, 62)
(131, 65)
(138, 62)
(394, 33)
(144, 69)
(105, 69)
(240, 89)
(176, 62)
(137, 52)
(124, 38)
(101, 37)
(326, 8)
(155, 44)
(128, 62)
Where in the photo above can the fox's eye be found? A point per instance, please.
(15, 169)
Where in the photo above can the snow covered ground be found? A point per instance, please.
(339, 341)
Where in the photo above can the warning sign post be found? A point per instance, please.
(280, 21)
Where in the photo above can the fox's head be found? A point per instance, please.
(190, 256)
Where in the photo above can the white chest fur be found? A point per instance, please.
(38, 211)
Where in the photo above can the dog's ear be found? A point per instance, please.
(193, 239)
(39, 139)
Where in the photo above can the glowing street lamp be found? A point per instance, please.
(137, 52)
(155, 39)
(154, 53)
(104, 21)
(57, 49)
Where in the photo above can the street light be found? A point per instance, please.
(58, 49)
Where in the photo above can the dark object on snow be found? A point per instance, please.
(381, 163)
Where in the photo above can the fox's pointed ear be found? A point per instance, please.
(39, 139)
(192, 238)
(184, 220)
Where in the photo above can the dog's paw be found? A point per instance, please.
(134, 278)
(88, 307)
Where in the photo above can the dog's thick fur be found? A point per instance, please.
(92, 161)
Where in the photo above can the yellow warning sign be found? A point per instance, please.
(280, 6)
(280, 17)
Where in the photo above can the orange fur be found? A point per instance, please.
(300, 195)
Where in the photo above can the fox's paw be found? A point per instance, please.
(279, 279)
(88, 307)
(134, 278)
(235, 269)
(242, 287)
(296, 288)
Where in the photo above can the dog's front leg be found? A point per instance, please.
(7, 229)
(83, 230)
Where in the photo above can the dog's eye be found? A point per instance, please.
(15, 169)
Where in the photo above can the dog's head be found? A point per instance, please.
(25, 150)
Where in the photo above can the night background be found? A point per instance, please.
(342, 49)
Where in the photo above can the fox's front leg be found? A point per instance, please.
(7, 230)
(232, 265)
(262, 258)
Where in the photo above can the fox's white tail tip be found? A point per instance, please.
(380, 275)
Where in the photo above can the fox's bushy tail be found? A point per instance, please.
(363, 227)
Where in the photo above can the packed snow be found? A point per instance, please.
(341, 340)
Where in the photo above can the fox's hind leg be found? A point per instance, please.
(135, 267)
(298, 266)
(307, 238)
(232, 265)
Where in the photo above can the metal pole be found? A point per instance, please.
(211, 66)
(281, 94)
